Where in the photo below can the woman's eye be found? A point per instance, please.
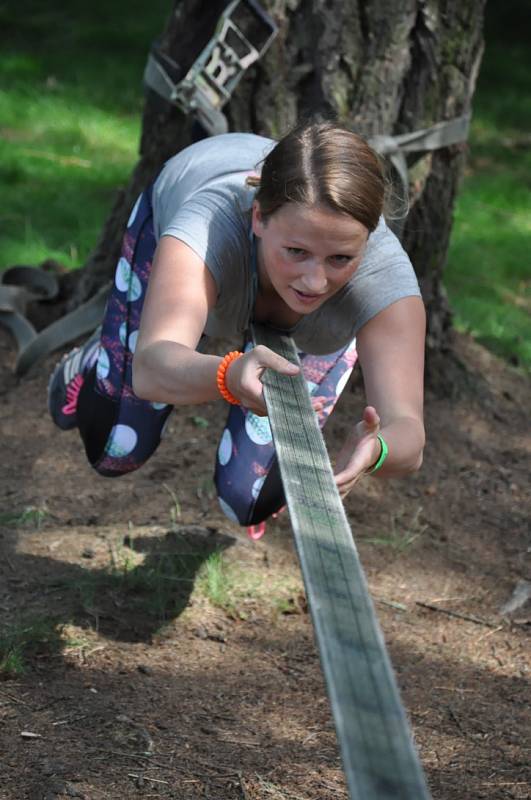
(340, 260)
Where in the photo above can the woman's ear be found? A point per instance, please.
(258, 223)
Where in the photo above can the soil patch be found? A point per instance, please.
(166, 655)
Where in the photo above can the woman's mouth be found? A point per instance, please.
(306, 297)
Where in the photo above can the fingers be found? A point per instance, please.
(371, 419)
(267, 359)
(243, 377)
(359, 452)
(356, 467)
(349, 476)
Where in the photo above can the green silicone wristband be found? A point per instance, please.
(383, 455)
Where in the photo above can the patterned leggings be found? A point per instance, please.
(120, 431)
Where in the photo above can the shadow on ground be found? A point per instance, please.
(146, 581)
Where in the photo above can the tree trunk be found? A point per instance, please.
(380, 66)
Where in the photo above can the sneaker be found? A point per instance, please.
(68, 378)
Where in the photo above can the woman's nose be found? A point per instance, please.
(314, 278)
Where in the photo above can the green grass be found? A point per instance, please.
(404, 530)
(30, 517)
(70, 105)
(239, 587)
(157, 585)
(70, 112)
(489, 269)
(25, 639)
(216, 582)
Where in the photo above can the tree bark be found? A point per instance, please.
(379, 66)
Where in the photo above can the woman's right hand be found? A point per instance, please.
(243, 377)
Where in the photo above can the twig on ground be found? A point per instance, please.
(391, 604)
(505, 783)
(211, 764)
(332, 788)
(454, 689)
(273, 789)
(458, 597)
(9, 563)
(456, 719)
(17, 700)
(50, 703)
(457, 614)
(69, 721)
(284, 667)
(137, 757)
(489, 633)
(242, 742)
(145, 778)
(229, 773)
(245, 794)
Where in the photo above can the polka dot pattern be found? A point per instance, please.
(225, 448)
(258, 429)
(228, 511)
(103, 366)
(257, 486)
(123, 275)
(134, 291)
(122, 441)
(132, 341)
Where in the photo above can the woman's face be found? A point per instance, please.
(307, 253)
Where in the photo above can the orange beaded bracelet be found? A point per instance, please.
(222, 375)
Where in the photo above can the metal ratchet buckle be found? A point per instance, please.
(243, 34)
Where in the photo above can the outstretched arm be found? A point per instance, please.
(166, 366)
(391, 353)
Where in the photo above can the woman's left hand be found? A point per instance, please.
(361, 451)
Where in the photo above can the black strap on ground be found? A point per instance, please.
(379, 756)
(21, 285)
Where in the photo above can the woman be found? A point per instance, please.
(211, 247)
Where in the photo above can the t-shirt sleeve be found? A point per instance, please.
(204, 225)
(384, 276)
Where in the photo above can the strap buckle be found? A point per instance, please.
(243, 34)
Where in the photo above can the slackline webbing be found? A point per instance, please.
(379, 757)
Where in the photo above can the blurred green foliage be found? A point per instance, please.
(70, 111)
(488, 276)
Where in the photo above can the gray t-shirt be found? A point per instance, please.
(201, 197)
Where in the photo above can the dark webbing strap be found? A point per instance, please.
(19, 286)
(379, 757)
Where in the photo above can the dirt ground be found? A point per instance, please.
(176, 675)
